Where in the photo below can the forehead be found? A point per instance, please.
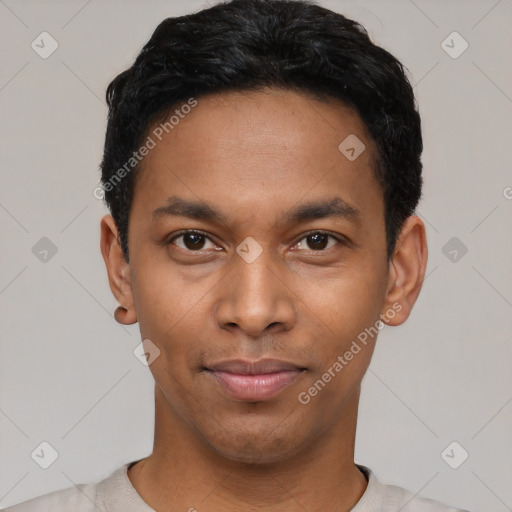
(251, 123)
(268, 148)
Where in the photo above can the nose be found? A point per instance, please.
(256, 298)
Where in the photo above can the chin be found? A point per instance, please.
(266, 445)
(252, 453)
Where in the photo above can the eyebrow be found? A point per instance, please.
(179, 207)
(197, 210)
(336, 207)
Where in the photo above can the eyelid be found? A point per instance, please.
(170, 240)
(339, 238)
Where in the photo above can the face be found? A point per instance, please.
(252, 237)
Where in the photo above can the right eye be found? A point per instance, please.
(191, 240)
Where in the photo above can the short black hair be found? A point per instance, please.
(247, 45)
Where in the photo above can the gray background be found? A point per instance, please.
(68, 375)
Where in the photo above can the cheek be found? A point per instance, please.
(347, 312)
(346, 301)
(174, 312)
(165, 301)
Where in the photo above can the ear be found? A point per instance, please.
(406, 272)
(118, 271)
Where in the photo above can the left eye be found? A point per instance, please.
(317, 241)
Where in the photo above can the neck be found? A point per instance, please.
(183, 473)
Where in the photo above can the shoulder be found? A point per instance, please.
(397, 498)
(80, 498)
(389, 498)
(86, 497)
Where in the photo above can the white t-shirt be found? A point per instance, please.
(117, 494)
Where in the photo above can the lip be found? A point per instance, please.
(254, 380)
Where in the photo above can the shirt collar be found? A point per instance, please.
(119, 495)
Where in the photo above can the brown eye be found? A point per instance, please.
(316, 241)
(191, 241)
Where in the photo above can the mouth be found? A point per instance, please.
(254, 381)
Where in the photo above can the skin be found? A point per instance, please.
(255, 156)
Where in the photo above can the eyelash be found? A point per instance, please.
(317, 232)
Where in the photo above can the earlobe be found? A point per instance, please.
(118, 271)
(125, 316)
(406, 272)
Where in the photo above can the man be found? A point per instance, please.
(262, 168)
